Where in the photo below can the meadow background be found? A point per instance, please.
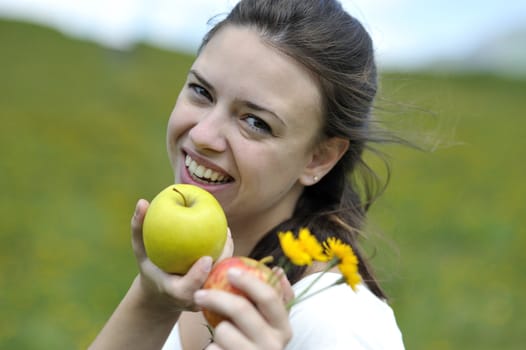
(82, 137)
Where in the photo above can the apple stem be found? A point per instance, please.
(266, 260)
(184, 199)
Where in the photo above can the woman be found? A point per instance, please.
(273, 121)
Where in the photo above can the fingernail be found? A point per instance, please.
(234, 272)
(278, 271)
(200, 295)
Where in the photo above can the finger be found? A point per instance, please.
(213, 346)
(266, 298)
(136, 229)
(175, 291)
(252, 316)
(228, 249)
(286, 288)
(195, 277)
(183, 287)
(227, 336)
(234, 307)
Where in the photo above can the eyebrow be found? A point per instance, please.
(202, 80)
(248, 104)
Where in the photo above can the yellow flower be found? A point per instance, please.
(293, 249)
(311, 245)
(347, 262)
(306, 248)
(349, 269)
(336, 249)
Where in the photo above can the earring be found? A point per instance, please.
(315, 178)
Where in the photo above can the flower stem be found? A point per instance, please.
(302, 296)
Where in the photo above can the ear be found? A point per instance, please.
(324, 157)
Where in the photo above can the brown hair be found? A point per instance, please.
(334, 46)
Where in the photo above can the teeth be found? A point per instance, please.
(202, 172)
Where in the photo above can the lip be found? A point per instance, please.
(188, 179)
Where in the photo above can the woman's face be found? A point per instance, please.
(244, 127)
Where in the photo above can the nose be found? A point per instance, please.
(208, 132)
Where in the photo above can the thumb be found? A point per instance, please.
(136, 229)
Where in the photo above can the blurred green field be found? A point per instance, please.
(82, 138)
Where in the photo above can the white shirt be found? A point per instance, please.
(337, 318)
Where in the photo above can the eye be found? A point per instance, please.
(257, 124)
(200, 91)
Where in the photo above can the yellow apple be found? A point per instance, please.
(183, 223)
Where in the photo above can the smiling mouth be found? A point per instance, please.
(203, 174)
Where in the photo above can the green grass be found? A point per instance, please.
(82, 137)
(457, 215)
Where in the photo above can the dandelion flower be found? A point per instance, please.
(304, 249)
(336, 249)
(293, 249)
(343, 255)
(311, 245)
(349, 269)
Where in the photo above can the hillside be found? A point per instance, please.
(502, 54)
(82, 138)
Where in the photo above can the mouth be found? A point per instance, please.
(202, 174)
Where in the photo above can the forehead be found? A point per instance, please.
(240, 64)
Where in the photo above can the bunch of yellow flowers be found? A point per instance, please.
(305, 249)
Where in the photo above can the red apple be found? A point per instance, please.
(217, 279)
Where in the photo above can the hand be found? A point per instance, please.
(259, 322)
(161, 290)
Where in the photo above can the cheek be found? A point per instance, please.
(172, 128)
(181, 114)
(272, 168)
(171, 134)
(179, 122)
(175, 129)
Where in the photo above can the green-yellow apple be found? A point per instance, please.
(183, 223)
(217, 279)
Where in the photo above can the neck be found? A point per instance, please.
(246, 239)
(249, 228)
(247, 233)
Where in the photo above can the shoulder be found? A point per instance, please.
(340, 318)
